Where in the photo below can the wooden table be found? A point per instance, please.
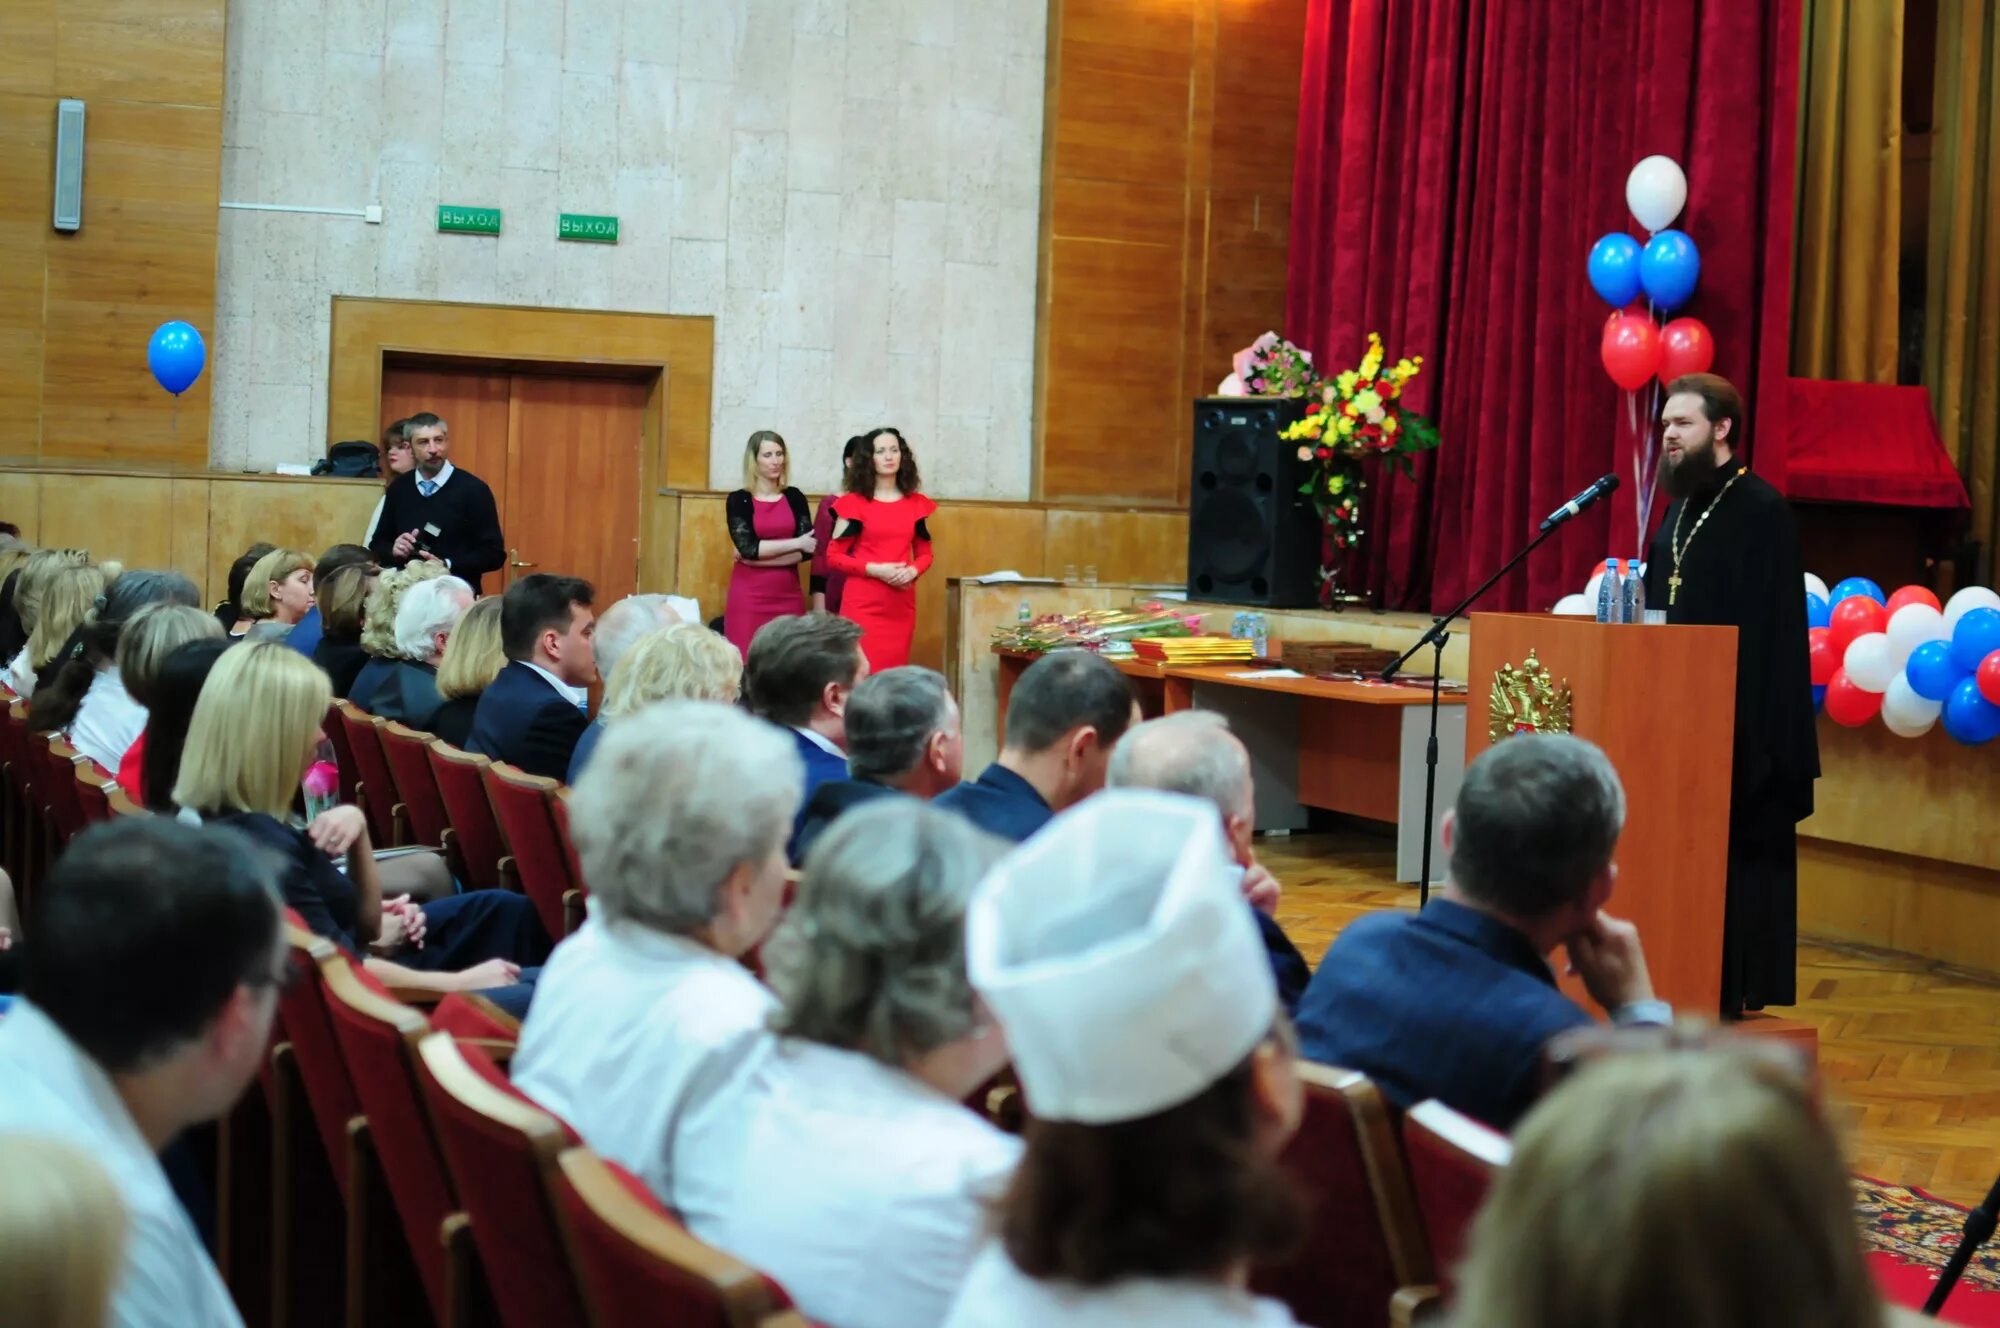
(1351, 747)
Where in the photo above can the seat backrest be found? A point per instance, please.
(528, 829)
(121, 804)
(378, 786)
(93, 792)
(372, 1029)
(65, 807)
(1453, 1162)
(636, 1264)
(13, 734)
(463, 789)
(1363, 1240)
(329, 1088)
(499, 1148)
(559, 808)
(405, 750)
(343, 755)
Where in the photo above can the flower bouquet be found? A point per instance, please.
(1270, 366)
(1356, 416)
(1110, 631)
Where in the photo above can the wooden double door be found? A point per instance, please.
(561, 449)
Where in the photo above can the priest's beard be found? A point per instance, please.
(1695, 474)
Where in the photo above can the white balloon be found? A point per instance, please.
(1911, 626)
(1590, 591)
(1656, 191)
(1906, 714)
(1868, 662)
(1575, 606)
(1965, 601)
(1815, 586)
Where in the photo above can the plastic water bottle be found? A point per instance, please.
(1260, 635)
(1632, 595)
(1022, 615)
(1610, 592)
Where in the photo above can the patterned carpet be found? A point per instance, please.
(1910, 1236)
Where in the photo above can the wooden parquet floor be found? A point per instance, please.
(1910, 1052)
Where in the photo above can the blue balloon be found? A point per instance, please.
(1818, 612)
(1819, 698)
(1970, 717)
(1614, 269)
(1976, 636)
(176, 356)
(1932, 673)
(1857, 585)
(1669, 267)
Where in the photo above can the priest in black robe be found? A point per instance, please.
(1727, 555)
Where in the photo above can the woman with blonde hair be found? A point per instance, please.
(34, 577)
(63, 1229)
(87, 697)
(65, 601)
(148, 641)
(770, 523)
(473, 657)
(255, 731)
(1664, 1188)
(378, 625)
(342, 599)
(685, 662)
(277, 593)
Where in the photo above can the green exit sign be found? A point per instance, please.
(468, 220)
(581, 226)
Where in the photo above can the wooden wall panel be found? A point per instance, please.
(28, 47)
(21, 502)
(704, 556)
(972, 539)
(306, 514)
(1127, 548)
(1941, 910)
(1926, 797)
(27, 129)
(1166, 212)
(162, 51)
(126, 517)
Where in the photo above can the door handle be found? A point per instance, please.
(514, 556)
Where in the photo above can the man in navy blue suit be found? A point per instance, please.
(532, 714)
(799, 675)
(1066, 714)
(1458, 1001)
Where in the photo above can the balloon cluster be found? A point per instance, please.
(1665, 269)
(1906, 658)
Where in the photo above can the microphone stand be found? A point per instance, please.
(1979, 1225)
(1435, 638)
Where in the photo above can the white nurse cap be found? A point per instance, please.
(1117, 951)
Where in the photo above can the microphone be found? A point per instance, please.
(1581, 501)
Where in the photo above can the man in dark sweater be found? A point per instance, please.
(440, 512)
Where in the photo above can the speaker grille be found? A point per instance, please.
(1231, 529)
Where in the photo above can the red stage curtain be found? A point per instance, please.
(1456, 159)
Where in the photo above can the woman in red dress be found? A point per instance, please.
(771, 527)
(881, 542)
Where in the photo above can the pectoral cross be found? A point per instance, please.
(1673, 589)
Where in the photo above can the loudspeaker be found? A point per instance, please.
(1253, 538)
(67, 212)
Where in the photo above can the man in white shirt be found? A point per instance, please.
(151, 984)
(532, 714)
(647, 1012)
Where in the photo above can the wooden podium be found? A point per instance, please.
(1660, 701)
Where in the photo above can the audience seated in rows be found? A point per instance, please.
(1669, 1187)
(902, 738)
(85, 696)
(1115, 951)
(378, 626)
(277, 592)
(843, 1161)
(66, 601)
(36, 573)
(144, 647)
(424, 623)
(1458, 1001)
(532, 714)
(147, 1008)
(175, 691)
(645, 1013)
(472, 660)
(1194, 752)
(621, 626)
(230, 612)
(799, 675)
(684, 662)
(306, 633)
(1067, 712)
(256, 728)
(340, 602)
(63, 1233)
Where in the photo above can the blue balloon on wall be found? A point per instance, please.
(1858, 585)
(1976, 636)
(1818, 612)
(1669, 267)
(1970, 717)
(1932, 673)
(176, 356)
(1614, 269)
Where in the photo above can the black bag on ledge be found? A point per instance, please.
(351, 460)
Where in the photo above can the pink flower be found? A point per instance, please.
(322, 780)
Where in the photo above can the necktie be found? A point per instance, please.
(427, 487)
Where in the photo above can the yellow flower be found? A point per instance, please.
(1346, 381)
(1389, 425)
(1336, 484)
(1368, 402)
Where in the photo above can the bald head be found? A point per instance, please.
(624, 623)
(1191, 752)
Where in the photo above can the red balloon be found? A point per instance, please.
(1825, 659)
(1911, 595)
(1847, 704)
(1857, 615)
(1685, 347)
(1631, 349)
(1988, 676)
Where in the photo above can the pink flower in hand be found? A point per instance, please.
(322, 779)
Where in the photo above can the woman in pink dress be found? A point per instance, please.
(881, 542)
(827, 585)
(771, 527)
